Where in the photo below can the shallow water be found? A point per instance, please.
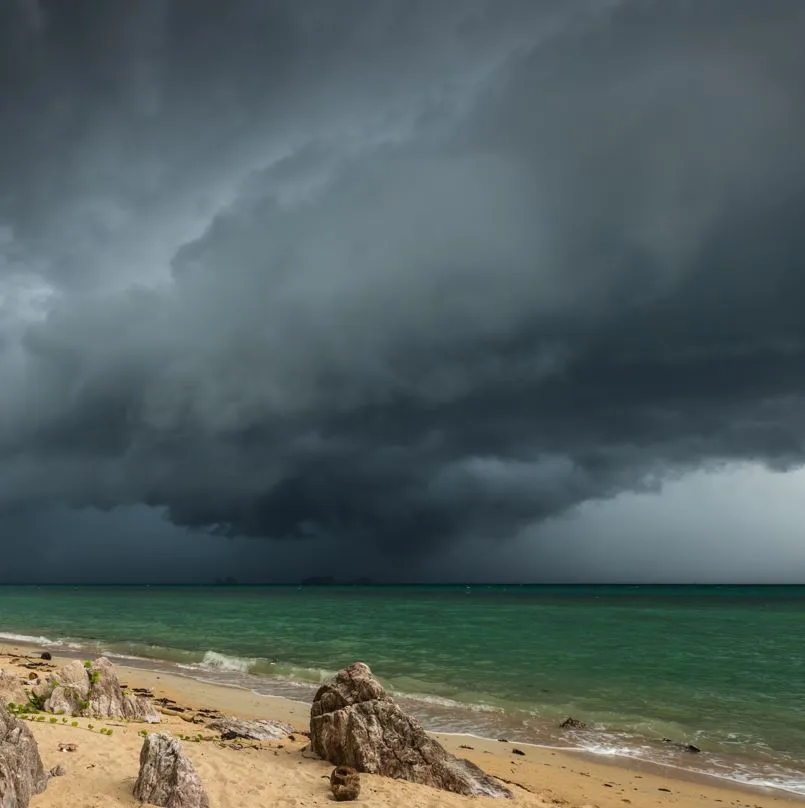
(718, 667)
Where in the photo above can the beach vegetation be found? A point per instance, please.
(36, 702)
(54, 720)
(87, 663)
(74, 723)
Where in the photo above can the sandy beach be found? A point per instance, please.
(102, 769)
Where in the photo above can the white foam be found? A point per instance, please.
(27, 639)
(222, 662)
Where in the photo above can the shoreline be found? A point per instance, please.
(558, 776)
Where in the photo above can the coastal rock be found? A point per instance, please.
(683, 747)
(66, 690)
(11, 689)
(354, 722)
(260, 730)
(167, 777)
(345, 783)
(93, 690)
(108, 699)
(21, 771)
(572, 723)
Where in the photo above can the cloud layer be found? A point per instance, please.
(396, 274)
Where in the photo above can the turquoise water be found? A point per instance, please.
(719, 667)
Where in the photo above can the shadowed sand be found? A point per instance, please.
(102, 770)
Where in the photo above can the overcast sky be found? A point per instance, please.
(423, 289)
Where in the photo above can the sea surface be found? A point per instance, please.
(717, 667)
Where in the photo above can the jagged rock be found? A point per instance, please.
(57, 771)
(67, 690)
(45, 655)
(11, 689)
(167, 777)
(107, 698)
(572, 723)
(93, 690)
(21, 771)
(260, 730)
(345, 783)
(354, 722)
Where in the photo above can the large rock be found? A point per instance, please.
(11, 689)
(354, 722)
(92, 690)
(259, 730)
(167, 777)
(107, 699)
(21, 771)
(66, 690)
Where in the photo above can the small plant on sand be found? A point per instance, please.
(143, 733)
(63, 720)
(54, 720)
(36, 702)
(106, 731)
(40, 718)
(74, 723)
(90, 727)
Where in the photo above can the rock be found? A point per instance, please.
(11, 689)
(260, 730)
(57, 771)
(107, 699)
(21, 771)
(354, 722)
(167, 777)
(345, 783)
(67, 690)
(45, 655)
(572, 723)
(92, 691)
(67, 747)
(684, 747)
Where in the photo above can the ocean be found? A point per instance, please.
(719, 667)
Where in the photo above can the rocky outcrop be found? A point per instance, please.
(21, 771)
(572, 723)
(354, 722)
(260, 730)
(345, 783)
(66, 690)
(108, 700)
(167, 777)
(11, 689)
(93, 690)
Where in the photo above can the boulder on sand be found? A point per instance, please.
(21, 771)
(167, 777)
(93, 690)
(11, 689)
(354, 722)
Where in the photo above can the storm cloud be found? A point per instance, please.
(396, 276)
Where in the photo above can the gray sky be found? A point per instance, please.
(402, 288)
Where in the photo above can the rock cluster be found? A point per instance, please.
(92, 689)
(354, 722)
(167, 777)
(21, 771)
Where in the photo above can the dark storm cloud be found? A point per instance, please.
(436, 270)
